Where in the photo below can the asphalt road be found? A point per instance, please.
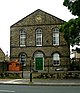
(38, 89)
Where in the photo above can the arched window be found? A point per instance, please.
(22, 38)
(39, 37)
(38, 54)
(56, 59)
(55, 36)
(22, 58)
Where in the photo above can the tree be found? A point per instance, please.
(71, 28)
(71, 31)
(73, 6)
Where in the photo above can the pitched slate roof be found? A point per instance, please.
(38, 17)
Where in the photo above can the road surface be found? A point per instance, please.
(38, 89)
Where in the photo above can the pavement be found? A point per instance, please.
(42, 82)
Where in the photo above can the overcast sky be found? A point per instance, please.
(12, 11)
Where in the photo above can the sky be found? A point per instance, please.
(12, 11)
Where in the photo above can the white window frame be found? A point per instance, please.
(56, 59)
(22, 38)
(55, 36)
(38, 54)
(22, 57)
(39, 37)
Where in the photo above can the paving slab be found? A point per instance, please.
(40, 82)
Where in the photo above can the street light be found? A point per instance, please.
(22, 68)
(48, 66)
(30, 64)
(30, 72)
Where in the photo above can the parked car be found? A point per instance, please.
(59, 69)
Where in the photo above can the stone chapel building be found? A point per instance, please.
(36, 39)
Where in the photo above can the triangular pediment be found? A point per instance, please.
(39, 17)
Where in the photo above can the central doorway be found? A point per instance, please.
(39, 61)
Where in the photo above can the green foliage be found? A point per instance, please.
(73, 6)
(71, 31)
(71, 28)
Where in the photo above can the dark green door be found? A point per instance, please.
(39, 63)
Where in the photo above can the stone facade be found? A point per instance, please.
(2, 56)
(47, 22)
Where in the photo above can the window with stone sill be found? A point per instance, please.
(55, 36)
(56, 59)
(39, 37)
(22, 38)
(22, 58)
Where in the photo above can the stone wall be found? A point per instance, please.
(29, 24)
(2, 56)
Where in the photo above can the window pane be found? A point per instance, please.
(22, 58)
(39, 37)
(38, 54)
(22, 38)
(56, 59)
(56, 30)
(56, 36)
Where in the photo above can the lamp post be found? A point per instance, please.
(48, 66)
(22, 70)
(30, 64)
(30, 72)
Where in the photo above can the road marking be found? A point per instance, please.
(7, 91)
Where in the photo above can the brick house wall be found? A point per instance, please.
(47, 22)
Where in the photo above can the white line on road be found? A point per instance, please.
(7, 91)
